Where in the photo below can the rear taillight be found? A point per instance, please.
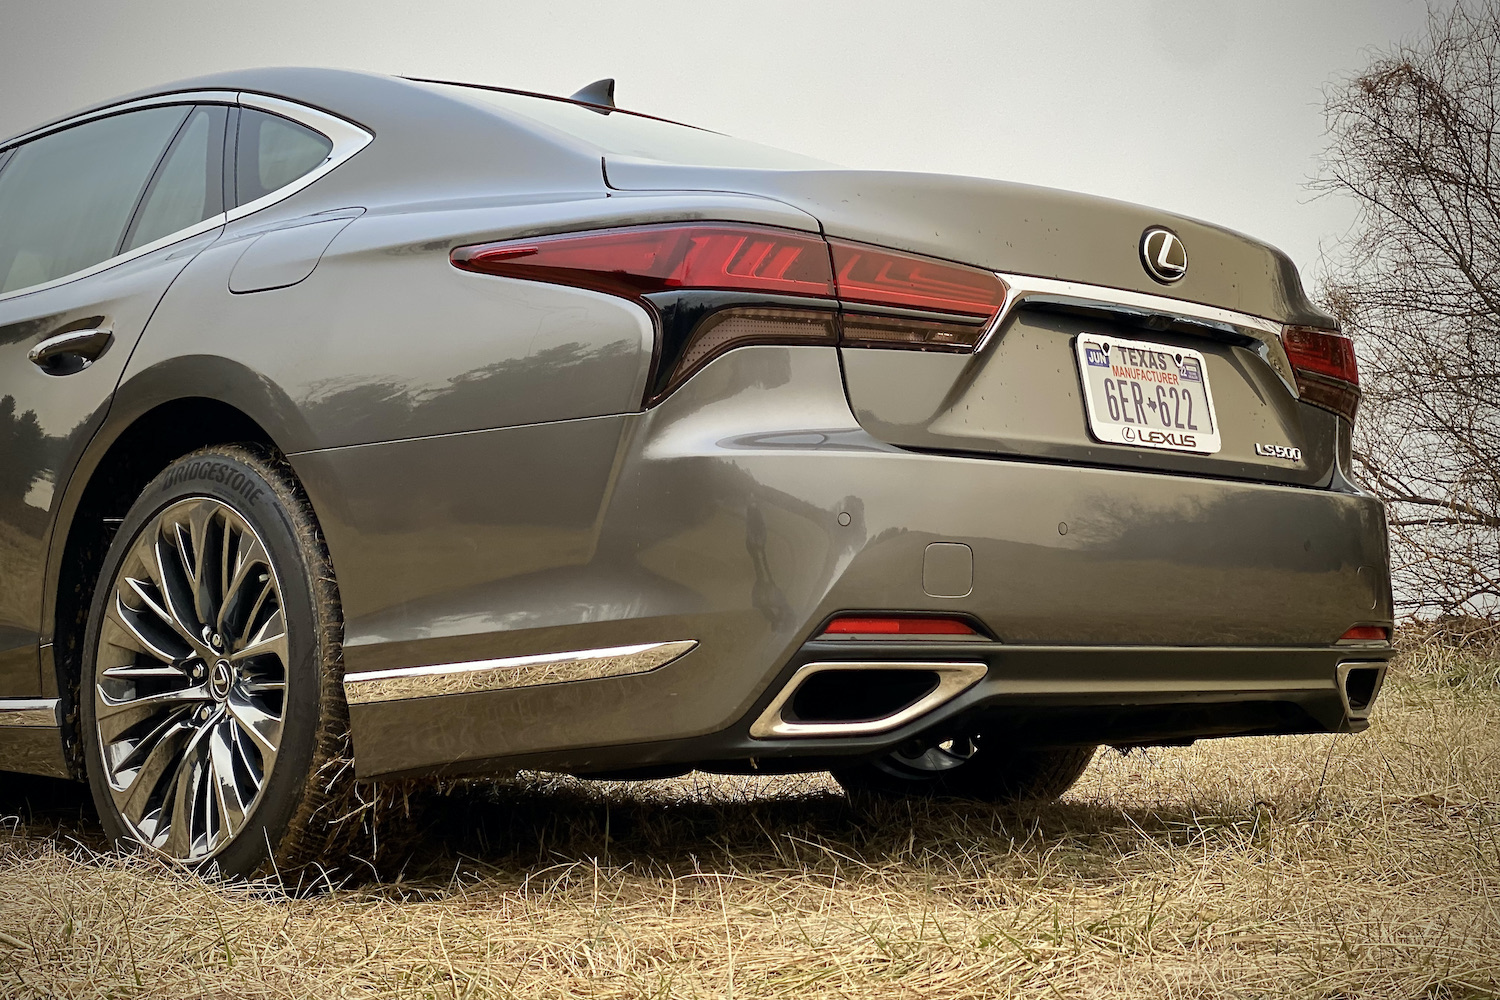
(874, 276)
(1366, 633)
(714, 286)
(641, 259)
(943, 306)
(1323, 361)
(710, 287)
(898, 625)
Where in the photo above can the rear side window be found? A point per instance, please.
(66, 198)
(272, 152)
(188, 187)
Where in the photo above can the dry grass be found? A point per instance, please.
(1330, 867)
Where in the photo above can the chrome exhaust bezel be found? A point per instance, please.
(954, 678)
(1342, 674)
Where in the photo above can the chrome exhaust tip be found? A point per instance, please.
(1359, 685)
(853, 698)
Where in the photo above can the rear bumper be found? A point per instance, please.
(750, 507)
(1070, 695)
(1036, 695)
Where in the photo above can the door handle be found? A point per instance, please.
(70, 352)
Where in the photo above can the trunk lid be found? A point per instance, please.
(1015, 228)
(1022, 393)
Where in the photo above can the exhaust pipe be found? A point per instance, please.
(1359, 686)
(851, 698)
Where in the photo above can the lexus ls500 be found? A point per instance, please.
(355, 427)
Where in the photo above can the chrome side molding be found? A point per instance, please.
(953, 680)
(31, 737)
(28, 713)
(476, 676)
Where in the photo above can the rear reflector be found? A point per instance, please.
(1366, 633)
(640, 259)
(898, 625)
(1327, 374)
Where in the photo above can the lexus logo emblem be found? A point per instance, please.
(1163, 255)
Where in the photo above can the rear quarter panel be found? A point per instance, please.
(455, 432)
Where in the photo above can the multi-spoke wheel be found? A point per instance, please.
(213, 643)
(191, 678)
(976, 765)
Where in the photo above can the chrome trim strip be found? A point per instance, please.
(478, 676)
(347, 138)
(29, 713)
(184, 97)
(1142, 305)
(63, 342)
(953, 680)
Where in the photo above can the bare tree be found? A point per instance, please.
(1415, 140)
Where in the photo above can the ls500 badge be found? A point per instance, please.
(1278, 451)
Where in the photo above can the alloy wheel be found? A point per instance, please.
(191, 677)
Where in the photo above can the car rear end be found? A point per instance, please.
(1140, 513)
(1098, 514)
(965, 453)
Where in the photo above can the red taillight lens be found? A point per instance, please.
(878, 298)
(959, 302)
(1366, 633)
(1323, 352)
(641, 259)
(897, 625)
(1327, 374)
(889, 278)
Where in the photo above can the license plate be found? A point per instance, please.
(1147, 395)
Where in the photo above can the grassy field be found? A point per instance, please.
(1330, 867)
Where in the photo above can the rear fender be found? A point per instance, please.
(175, 379)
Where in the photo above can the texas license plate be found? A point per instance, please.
(1147, 395)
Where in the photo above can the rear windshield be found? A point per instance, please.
(625, 134)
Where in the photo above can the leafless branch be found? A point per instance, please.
(1415, 141)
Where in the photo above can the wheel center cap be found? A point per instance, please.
(220, 679)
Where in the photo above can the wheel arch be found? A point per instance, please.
(145, 431)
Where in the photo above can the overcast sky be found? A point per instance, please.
(1204, 107)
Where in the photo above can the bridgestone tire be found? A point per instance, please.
(992, 772)
(237, 760)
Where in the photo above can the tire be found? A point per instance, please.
(977, 767)
(214, 725)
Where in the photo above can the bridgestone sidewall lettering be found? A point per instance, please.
(241, 482)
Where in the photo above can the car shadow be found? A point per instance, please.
(434, 839)
(511, 832)
(38, 807)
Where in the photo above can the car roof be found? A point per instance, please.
(304, 82)
(389, 104)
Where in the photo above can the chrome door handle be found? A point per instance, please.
(52, 354)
